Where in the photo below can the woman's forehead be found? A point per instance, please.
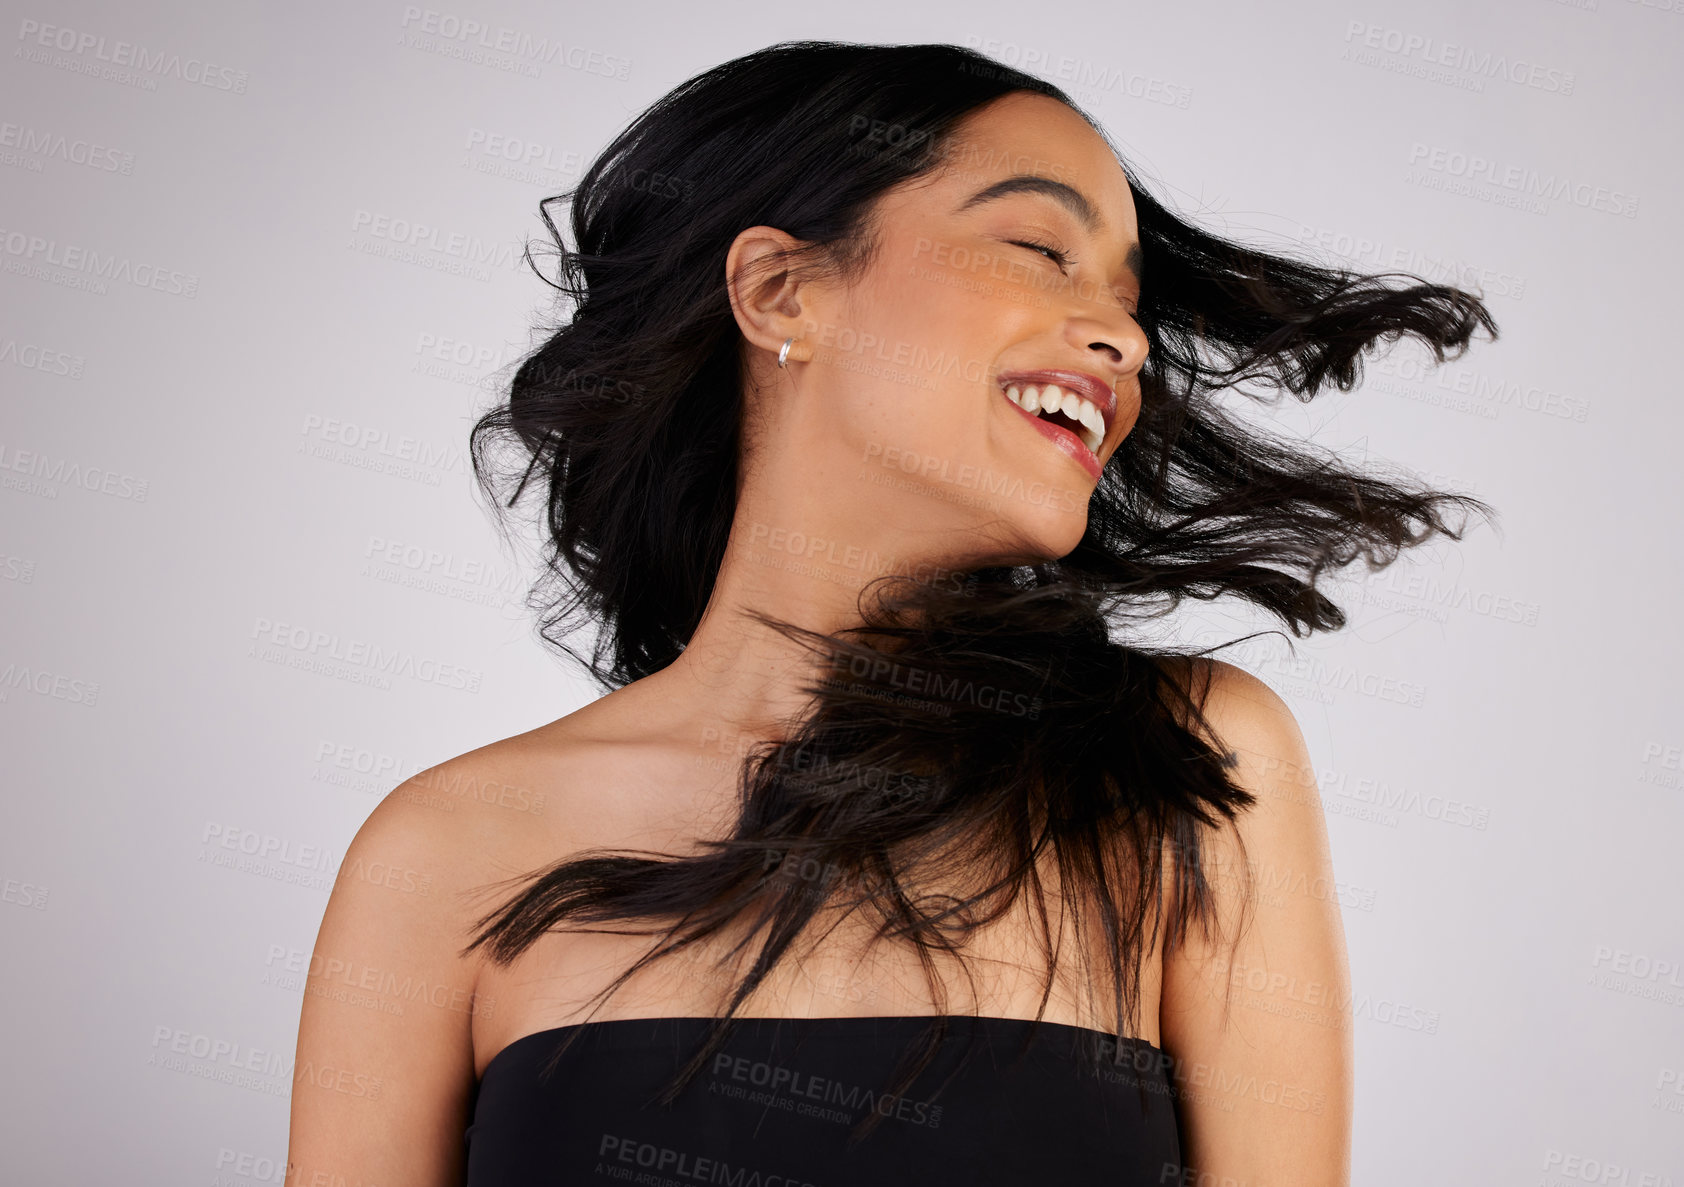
(1025, 134)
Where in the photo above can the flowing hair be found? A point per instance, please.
(1040, 731)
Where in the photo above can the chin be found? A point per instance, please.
(1047, 538)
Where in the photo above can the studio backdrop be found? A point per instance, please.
(261, 267)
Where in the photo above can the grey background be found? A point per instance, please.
(234, 421)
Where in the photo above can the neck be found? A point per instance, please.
(798, 553)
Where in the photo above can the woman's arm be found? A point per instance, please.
(1261, 1031)
(385, 1063)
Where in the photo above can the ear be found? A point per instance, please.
(765, 300)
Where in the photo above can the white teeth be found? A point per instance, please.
(1052, 397)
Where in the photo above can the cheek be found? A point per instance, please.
(936, 317)
(902, 382)
(1128, 412)
(908, 311)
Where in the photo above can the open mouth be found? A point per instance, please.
(1054, 427)
(1061, 408)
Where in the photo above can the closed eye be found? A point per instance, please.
(1053, 253)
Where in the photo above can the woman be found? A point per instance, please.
(893, 852)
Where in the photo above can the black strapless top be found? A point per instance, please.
(777, 1105)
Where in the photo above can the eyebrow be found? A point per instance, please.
(1069, 197)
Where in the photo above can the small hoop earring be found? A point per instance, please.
(783, 355)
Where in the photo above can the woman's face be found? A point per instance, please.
(905, 399)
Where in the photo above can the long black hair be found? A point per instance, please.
(1042, 727)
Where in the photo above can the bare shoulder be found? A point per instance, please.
(1285, 827)
(1240, 706)
(479, 803)
(459, 821)
(1253, 726)
(1261, 999)
(483, 818)
(385, 1057)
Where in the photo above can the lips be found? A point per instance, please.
(1090, 387)
(1062, 439)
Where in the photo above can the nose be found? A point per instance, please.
(1114, 334)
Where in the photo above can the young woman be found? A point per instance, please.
(886, 407)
